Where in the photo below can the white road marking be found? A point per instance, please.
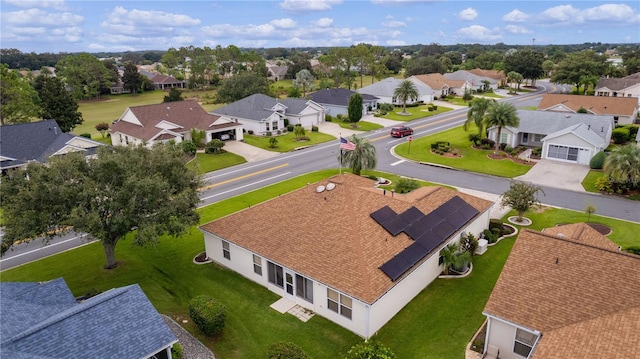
(397, 163)
(247, 185)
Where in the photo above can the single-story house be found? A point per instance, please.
(566, 292)
(477, 82)
(170, 121)
(441, 85)
(336, 101)
(628, 86)
(44, 320)
(623, 109)
(384, 91)
(163, 82)
(277, 73)
(570, 137)
(37, 141)
(347, 251)
(497, 75)
(261, 113)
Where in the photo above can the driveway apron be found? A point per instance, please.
(556, 174)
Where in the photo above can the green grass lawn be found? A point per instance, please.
(359, 126)
(471, 160)
(457, 101)
(287, 142)
(414, 113)
(589, 181)
(206, 162)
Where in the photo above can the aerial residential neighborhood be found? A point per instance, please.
(307, 198)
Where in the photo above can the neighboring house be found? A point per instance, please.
(476, 82)
(384, 91)
(628, 86)
(441, 85)
(37, 141)
(163, 82)
(170, 121)
(570, 137)
(567, 292)
(44, 320)
(277, 73)
(347, 251)
(638, 138)
(336, 101)
(497, 75)
(623, 110)
(261, 114)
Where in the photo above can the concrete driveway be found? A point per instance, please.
(556, 174)
(250, 153)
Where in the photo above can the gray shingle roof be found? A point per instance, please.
(581, 130)
(43, 320)
(473, 79)
(387, 87)
(337, 96)
(548, 122)
(37, 141)
(258, 107)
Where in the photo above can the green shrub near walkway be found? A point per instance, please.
(287, 142)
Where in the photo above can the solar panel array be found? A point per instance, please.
(428, 231)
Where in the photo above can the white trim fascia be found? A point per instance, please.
(538, 333)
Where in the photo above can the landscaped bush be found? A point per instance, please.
(208, 314)
(508, 149)
(286, 350)
(214, 146)
(314, 128)
(536, 152)
(490, 236)
(406, 185)
(620, 135)
(488, 141)
(633, 249)
(339, 117)
(268, 134)
(469, 243)
(369, 350)
(189, 147)
(176, 351)
(327, 118)
(250, 132)
(290, 128)
(597, 161)
(633, 131)
(475, 138)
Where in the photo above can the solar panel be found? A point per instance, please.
(412, 214)
(456, 219)
(430, 242)
(416, 230)
(395, 267)
(414, 253)
(431, 220)
(445, 210)
(468, 211)
(383, 215)
(444, 230)
(395, 225)
(457, 202)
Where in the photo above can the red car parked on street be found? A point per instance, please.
(401, 131)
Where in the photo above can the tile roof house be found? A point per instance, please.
(624, 110)
(569, 137)
(261, 113)
(566, 292)
(37, 141)
(170, 121)
(44, 320)
(441, 85)
(477, 82)
(384, 91)
(163, 82)
(336, 101)
(344, 249)
(628, 86)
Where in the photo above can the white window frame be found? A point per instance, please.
(304, 288)
(522, 342)
(341, 303)
(277, 278)
(257, 265)
(226, 252)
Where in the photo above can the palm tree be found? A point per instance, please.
(478, 108)
(453, 258)
(623, 164)
(501, 114)
(405, 91)
(362, 158)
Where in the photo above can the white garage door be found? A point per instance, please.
(563, 153)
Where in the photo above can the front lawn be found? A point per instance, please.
(414, 113)
(359, 126)
(470, 160)
(207, 162)
(287, 141)
(589, 181)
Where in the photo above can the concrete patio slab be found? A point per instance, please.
(283, 305)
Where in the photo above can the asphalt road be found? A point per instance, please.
(230, 182)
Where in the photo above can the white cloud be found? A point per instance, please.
(35, 17)
(143, 22)
(612, 13)
(323, 22)
(308, 5)
(518, 30)
(478, 33)
(468, 14)
(53, 4)
(562, 13)
(285, 23)
(516, 16)
(395, 43)
(394, 24)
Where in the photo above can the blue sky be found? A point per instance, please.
(115, 25)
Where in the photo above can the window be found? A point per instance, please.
(524, 342)
(225, 250)
(615, 120)
(538, 138)
(274, 272)
(339, 303)
(274, 125)
(304, 288)
(504, 137)
(525, 137)
(257, 265)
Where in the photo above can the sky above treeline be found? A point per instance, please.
(116, 25)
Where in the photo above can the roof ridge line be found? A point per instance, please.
(550, 236)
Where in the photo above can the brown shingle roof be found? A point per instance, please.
(598, 105)
(494, 74)
(188, 114)
(437, 81)
(330, 236)
(568, 290)
(582, 233)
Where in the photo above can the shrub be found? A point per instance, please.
(273, 142)
(208, 314)
(286, 350)
(474, 138)
(176, 351)
(369, 350)
(537, 151)
(486, 146)
(250, 132)
(214, 146)
(339, 116)
(620, 135)
(386, 107)
(469, 243)
(87, 135)
(633, 131)
(279, 132)
(189, 147)
(633, 249)
(290, 128)
(268, 134)
(495, 223)
(103, 127)
(314, 128)
(597, 161)
(503, 146)
(488, 141)
(508, 149)
(405, 185)
(328, 118)
(490, 236)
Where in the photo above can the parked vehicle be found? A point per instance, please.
(401, 131)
